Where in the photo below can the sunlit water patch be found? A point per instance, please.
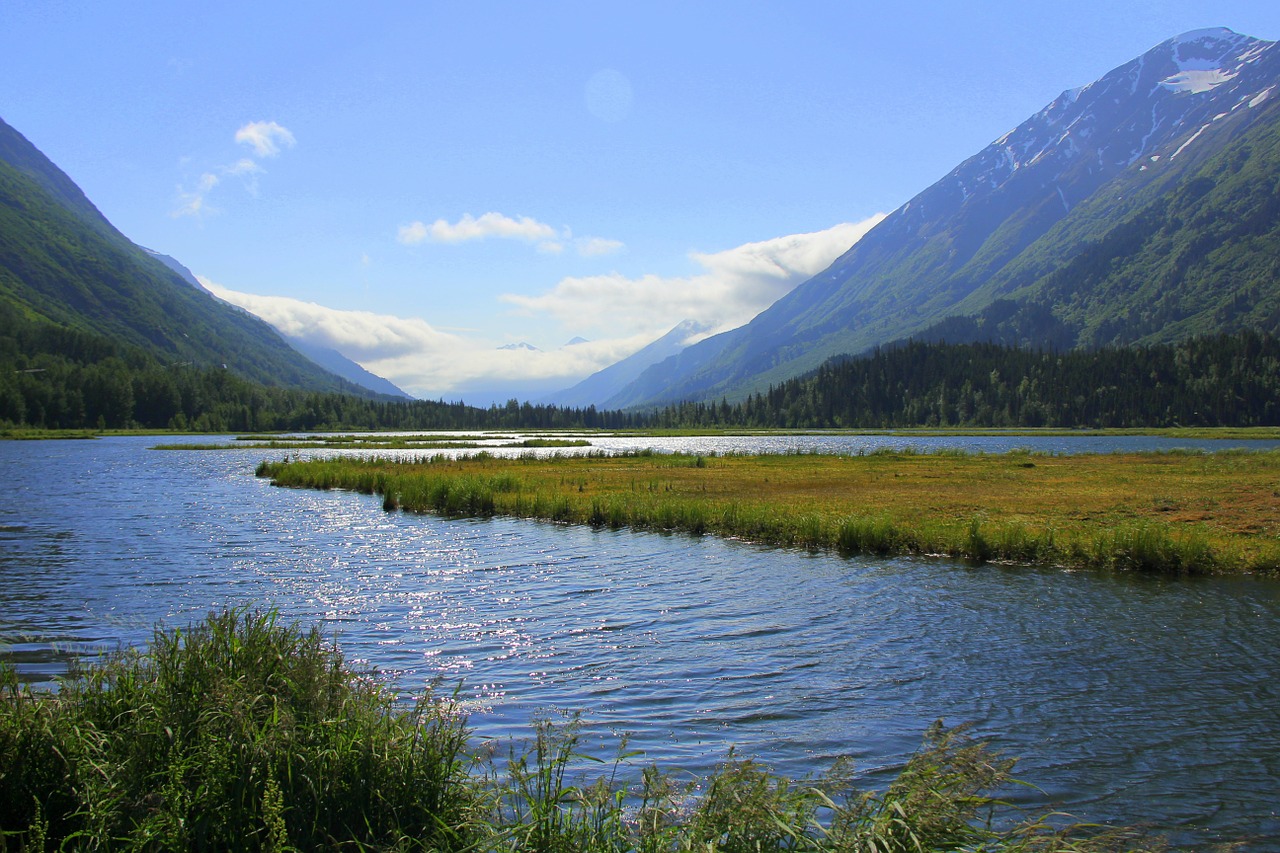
(1130, 699)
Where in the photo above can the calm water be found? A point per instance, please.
(1130, 699)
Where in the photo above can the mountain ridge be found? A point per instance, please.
(62, 262)
(1006, 217)
(603, 384)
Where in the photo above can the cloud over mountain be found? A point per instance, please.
(620, 314)
(734, 286)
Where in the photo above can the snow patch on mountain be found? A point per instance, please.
(1145, 106)
(1193, 138)
(1194, 81)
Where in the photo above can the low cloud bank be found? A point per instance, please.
(619, 314)
(735, 285)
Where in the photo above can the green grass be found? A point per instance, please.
(1182, 513)
(244, 733)
(23, 434)
(233, 734)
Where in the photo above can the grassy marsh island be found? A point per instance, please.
(245, 733)
(1173, 512)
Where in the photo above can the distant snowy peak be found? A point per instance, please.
(1085, 136)
(1209, 47)
(520, 346)
(1206, 59)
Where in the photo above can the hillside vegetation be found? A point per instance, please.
(61, 262)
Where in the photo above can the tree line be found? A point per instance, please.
(1218, 380)
(56, 377)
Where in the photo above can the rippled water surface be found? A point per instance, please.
(1130, 699)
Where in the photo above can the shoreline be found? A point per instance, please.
(1170, 513)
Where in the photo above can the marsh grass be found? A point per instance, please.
(237, 733)
(1177, 513)
(31, 434)
(242, 733)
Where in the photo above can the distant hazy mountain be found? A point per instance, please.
(599, 387)
(338, 364)
(175, 265)
(328, 358)
(1141, 207)
(62, 262)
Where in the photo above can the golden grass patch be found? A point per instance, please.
(1182, 512)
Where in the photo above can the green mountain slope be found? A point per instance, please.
(1198, 257)
(61, 262)
(1137, 208)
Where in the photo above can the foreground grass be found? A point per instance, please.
(242, 733)
(1181, 513)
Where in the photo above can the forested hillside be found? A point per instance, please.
(63, 263)
(58, 378)
(1223, 380)
(54, 377)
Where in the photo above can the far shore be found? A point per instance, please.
(1261, 433)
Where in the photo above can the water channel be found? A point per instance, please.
(1129, 699)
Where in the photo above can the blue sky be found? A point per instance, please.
(420, 184)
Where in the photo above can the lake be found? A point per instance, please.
(1129, 699)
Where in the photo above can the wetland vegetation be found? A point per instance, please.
(245, 733)
(1172, 512)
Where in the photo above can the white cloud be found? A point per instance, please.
(265, 137)
(590, 247)
(193, 202)
(622, 314)
(736, 284)
(418, 357)
(548, 240)
(244, 166)
(359, 335)
(471, 228)
(414, 232)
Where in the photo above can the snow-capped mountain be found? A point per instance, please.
(603, 384)
(1007, 218)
